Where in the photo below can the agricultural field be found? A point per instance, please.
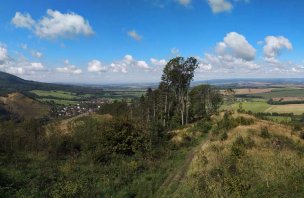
(281, 92)
(255, 100)
(254, 106)
(263, 106)
(59, 102)
(70, 98)
(55, 94)
(252, 91)
(296, 109)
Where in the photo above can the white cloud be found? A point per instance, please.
(218, 6)
(129, 63)
(234, 53)
(238, 45)
(229, 62)
(184, 2)
(3, 54)
(96, 66)
(54, 24)
(21, 66)
(274, 46)
(69, 69)
(161, 62)
(133, 34)
(142, 65)
(118, 67)
(23, 20)
(36, 66)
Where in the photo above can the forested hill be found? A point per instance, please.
(10, 83)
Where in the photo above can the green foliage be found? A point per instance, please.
(244, 121)
(101, 140)
(264, 132)
(117, 108)
(301, 135)
(238, 148)
(203, 125)
(224, 136)
(205, 100)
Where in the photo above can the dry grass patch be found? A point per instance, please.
(247, 164)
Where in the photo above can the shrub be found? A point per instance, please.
(224, 136)
(238, 148)
(244, 121)
(297, 127)
(264, 132)
(203, 126)
(302, 135)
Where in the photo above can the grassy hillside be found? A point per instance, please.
(102, 156)
(262, 159)
(23, 106)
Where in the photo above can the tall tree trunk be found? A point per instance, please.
(166, 101)
(187, 107)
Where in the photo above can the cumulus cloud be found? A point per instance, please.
(157, 63)
(54, 25)
(230, 62)
(133, 34)
(69, 69)
(238, 45)
(24, 68)
(127, 63)
(218, 6)
(233, 53)
(96, 66)
(3, 55)
(36, 66)
(20, 66)
(274, 46)
(23, 20)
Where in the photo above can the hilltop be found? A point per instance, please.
(10, 83)
(23, 106)
(255, 158)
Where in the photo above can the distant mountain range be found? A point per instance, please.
(10, 83)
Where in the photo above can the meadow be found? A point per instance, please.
(55, 94)
(70, 98)
(280, 93)
(296, 109)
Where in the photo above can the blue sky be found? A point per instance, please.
(121, 41)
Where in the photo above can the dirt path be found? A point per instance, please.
(172, 182)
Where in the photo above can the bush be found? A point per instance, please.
(244, 121)
(203, 126)
(264, 132)
(297, 127)
(224, 136)
(302, 135)
(238, 148)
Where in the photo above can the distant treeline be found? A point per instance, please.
(272, 102)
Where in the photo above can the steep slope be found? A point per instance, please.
(18, 104)
(262, 159)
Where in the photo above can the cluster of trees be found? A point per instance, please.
(174, 102)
